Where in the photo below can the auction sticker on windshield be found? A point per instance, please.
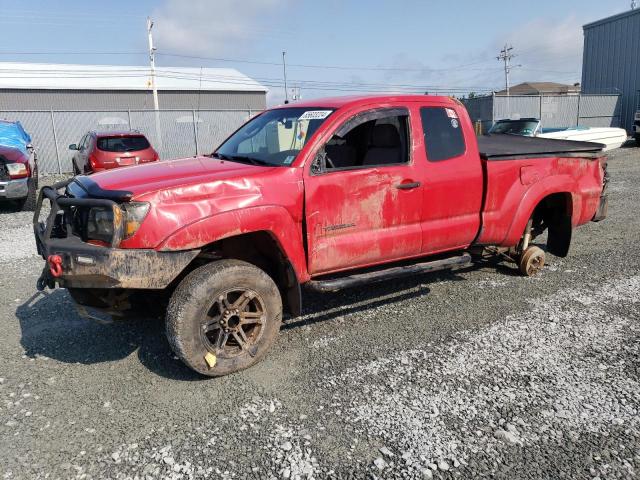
(315, 115)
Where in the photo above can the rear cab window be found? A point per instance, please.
(443, 137)
(123, 144)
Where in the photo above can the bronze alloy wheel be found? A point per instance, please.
(234, 323)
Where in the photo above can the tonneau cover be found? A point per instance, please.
(504, 146)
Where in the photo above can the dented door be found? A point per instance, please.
(362, 217)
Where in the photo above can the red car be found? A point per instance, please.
(99, 151)
(322, 194)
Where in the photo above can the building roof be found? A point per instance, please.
(537, 88)
(612, 18)
(49, 76)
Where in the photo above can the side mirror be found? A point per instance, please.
(73, 146)
(317, 166)
(29, 146)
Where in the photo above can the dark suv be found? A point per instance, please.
(99, 151)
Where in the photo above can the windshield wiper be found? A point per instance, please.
(242, 159)
(254, 161)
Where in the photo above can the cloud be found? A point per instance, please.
(204, 27)
(547, 50)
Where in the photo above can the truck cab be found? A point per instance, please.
(324, 195)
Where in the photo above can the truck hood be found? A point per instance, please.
(132, 182)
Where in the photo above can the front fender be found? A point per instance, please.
(273, 219)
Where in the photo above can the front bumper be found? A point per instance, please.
(84, 265)
(14, 189)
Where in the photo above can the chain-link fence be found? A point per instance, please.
(173, 133)
(555, 111)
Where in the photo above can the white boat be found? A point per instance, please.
(610, 137)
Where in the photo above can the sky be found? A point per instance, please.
(332, 47)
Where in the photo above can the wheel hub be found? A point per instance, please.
(230, 320)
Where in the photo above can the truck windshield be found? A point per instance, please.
(273, 138)
(515, 127)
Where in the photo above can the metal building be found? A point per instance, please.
(611, 60)
(43, 86)
(57, 104)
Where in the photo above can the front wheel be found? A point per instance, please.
(223, 317)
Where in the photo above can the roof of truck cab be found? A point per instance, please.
(357, 100)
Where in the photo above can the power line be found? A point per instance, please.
(71, 53)
(333, 67)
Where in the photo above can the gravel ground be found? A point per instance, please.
(477, 373)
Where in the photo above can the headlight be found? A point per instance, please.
(101, 221)
(17, 170)
(134, 215)
(100, 224)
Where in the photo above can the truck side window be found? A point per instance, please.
(380, 141)
(443, 138)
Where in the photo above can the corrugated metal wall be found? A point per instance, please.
(611, 60)
(15, 99)
(177, 133)
(555, 111)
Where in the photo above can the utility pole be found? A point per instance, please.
(152, 60)
(284, 71)
(506, 56)
(154, 88)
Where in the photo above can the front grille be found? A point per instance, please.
(4, 173)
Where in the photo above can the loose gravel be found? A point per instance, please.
(472, 374)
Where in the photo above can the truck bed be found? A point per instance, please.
(507, 147)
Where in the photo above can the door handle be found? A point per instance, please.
(407, 186)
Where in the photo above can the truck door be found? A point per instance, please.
(363, 194)
(454, 181)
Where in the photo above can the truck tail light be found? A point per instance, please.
(17, 170)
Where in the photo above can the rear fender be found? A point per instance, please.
(273, 219)
(532, 198)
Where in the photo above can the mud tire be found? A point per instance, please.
(194, 297)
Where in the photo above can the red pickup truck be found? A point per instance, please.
(326, 194)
